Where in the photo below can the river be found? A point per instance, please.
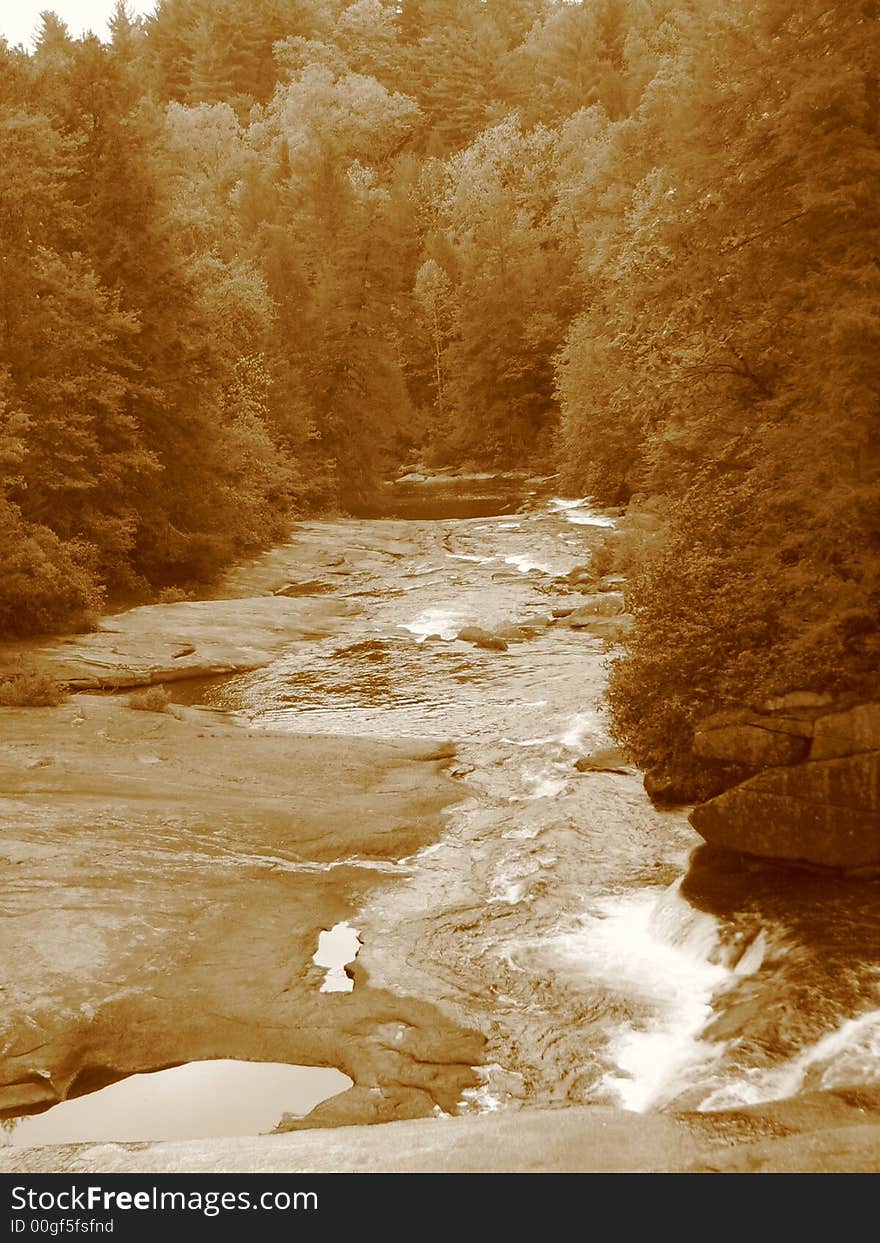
(605, 956)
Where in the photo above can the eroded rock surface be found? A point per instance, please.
(169, 642)
(165, 882)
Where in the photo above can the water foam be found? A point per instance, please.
(579, 512)
(661, 958)
(526, 564)
(445, 622)
(847, 1055)
(582, 726)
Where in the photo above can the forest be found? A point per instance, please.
(255, 256)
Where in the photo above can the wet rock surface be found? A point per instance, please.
(531, 934)
(827, 1133)
(171, 642)
(165, 884)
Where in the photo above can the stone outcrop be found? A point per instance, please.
(754, 740)
(822, 1133)
(603, 604)
(482, 638)
(188, 639)
(812, 793)
(612, 629)
(166, 878)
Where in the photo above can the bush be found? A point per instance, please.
(174, 595)
(150, 699)
(744, 598)
(30, 689)
(47, 583)
(627, 548)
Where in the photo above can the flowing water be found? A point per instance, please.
(561, 913)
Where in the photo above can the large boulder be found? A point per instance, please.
(751, 740)
(797, 699)
(611, 582)
(825, 813)
(847, 732)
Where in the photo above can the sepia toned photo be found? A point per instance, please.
(439, 596)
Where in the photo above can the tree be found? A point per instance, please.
(496, 233)
(740, 295)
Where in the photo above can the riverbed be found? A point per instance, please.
(582, 930)
(484, 928)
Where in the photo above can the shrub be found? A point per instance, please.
(173, 595)
(30, 689)
(150, 699)
(47, 583)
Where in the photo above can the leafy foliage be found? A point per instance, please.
(254, 255)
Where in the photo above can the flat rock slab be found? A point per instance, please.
(169, 642)
(321, 556)
(574, 1139)
(165, 883)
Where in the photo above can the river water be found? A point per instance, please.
(606, 957)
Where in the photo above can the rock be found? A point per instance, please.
(482, 638)
(186, 639)
(560, 613)
(797, 699)
(611, 582)
(608, 605)
(753, 742)
(847, 732)
(603, 760)
(611, 629)
(491, 643)
(667, 789)
(19, 1098)
(514, 633)
(311, 587)
(820, 1133)
(825, 813)
(94, 984)
(795, 729)
(642, 520)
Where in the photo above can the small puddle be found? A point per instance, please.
(199, 1100)
(336, 949)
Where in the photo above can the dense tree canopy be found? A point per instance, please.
(253, 255)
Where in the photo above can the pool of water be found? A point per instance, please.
(198, 1100)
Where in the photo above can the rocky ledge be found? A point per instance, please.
(166, 878)
(825, 1132)
(807, 781)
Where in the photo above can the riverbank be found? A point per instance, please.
(823, 1135)
(532, 935)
